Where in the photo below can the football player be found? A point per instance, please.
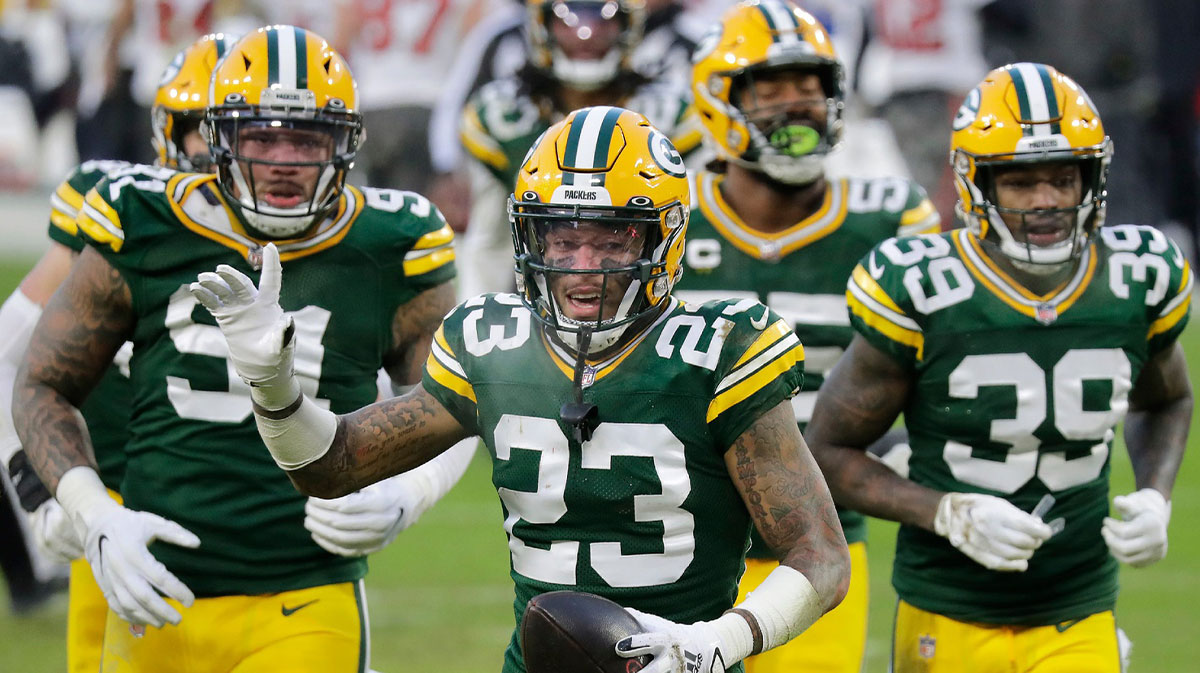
(770, 226)
(175, 122)
(634, 438)
(1014, 347)
(580, 55)
(261, 578)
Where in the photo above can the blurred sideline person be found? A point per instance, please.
(768, 225)
(246, 574)
(1014, 347)
(178, 110)
(421, 40)
(580, 55)
(634, 438)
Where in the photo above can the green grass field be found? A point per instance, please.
(441, 598)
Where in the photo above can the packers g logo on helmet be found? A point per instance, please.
(283, 77)
(607, 168)
(761, 36)
(1028, 114)
(181, 99)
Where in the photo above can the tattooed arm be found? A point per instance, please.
(376, 442)
(412, 331)
(80, 331)
(860, 399)
(789, 502)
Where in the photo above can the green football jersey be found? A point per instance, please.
(645, 512)
(106, 410)
(1018, 395)
(500, 123)
(800, 272)
(194, 454)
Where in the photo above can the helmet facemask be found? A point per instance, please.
(599, 260)
(171, 127)
(986, 219)
(787, 141)
(326, 140)
(588, 43)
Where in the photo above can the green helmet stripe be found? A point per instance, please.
(604, 137)
(1022, 97)
(272, 57)
(1051, 99)
(301, 58)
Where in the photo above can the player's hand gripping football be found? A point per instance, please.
(1139, 537)
(674, 648)
(362, 522)
(990, 530)
(259, 333)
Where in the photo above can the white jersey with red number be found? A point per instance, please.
(922, 44)
(405, 48)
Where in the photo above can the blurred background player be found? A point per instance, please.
(179, 107)
(768, 225)
(580, 55)
(402, 52)
(1014, 347)
(282, 143)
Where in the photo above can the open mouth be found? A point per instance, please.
(1044, 234)
(583, 304)
(283, 196)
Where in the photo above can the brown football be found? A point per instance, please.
(576, 632)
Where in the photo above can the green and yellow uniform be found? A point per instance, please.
(801, 273)
(1018, 395)
(194, 454)
(644, 512)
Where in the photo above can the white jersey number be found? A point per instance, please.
(1065, 394)
(547, 504)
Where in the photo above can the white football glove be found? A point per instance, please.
(54, 533)
(675, 648)
(362, 522)
(1139, 538)
(991, 531)
(259, 333)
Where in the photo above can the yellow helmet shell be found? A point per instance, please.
(752, 34)
(1025, 113)
(276, 59)
(183, 93)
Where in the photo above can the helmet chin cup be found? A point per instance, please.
(586, 75)
(793, 170)
(1040, 260)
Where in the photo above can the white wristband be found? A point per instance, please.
(299, 438)
(784, 605)
(82, 495)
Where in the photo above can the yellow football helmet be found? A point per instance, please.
(585, 20)
(181, 100)
(291, 78)
(607, 169)
(760, 36)
(1026, 113)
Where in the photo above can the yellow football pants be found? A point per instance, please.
(834, 644)
(924, 642)
(319, 629)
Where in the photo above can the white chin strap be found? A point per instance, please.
(278, 222)
(586, 75)
(1041, 260)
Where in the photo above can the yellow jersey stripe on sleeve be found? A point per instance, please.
(445, 369)
(65, 203)
(769, 336)
(435, 239)
(1178, 307)
(920, 219)
(752, 384)
(477, 141)
(419, 262)
(879, 323)
(100, 221)
(863, 280)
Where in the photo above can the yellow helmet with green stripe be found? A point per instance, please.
(182, 98)
(283, 77)
(755, 37)
(605, 171)
(1022, 114)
